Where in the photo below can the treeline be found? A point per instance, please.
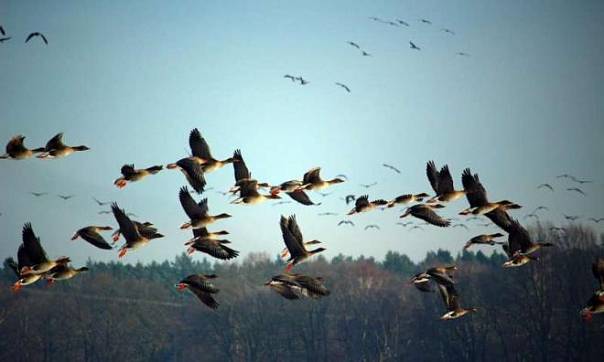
(133, 312)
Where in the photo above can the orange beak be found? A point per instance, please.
(181, 287)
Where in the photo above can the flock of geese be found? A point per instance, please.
(33, 264)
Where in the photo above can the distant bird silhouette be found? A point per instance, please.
(582, 181)
(402, 22)
(302, 80)
(571, 217)
(327, 214)
(539, 208)
(365, 54)
(66, 197)
(413, 46)
(293, 79)
(416, 227)
(325, 194)
(372, 226)
(38, 194)
(368, 185)
(392, 23)
(2, 40)
(363, 204)
(597, 221)
(460, 226)
(104, 212)
(342, 176)
(353, 44)
(37, 34)
(545, 186)
(463, 54)
(346, 222)
(375, 18)
(566, 175)
(343, 86)
(391, 167)
(425, 21)
(448, 31)
(349, 199)
(101, 203)
(223, 193)
(576, 189)
(404, 224)
(282, 202)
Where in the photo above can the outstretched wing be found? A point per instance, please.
(55, 142)
(199, 146)
(192, 209)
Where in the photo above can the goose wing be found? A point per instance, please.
(293, 240)
(55, 142)
(127, 227)
(193, 210)
(32, 246)
(199, 146)
(428, 215)
(312, 176)
(241, 170)
(94, 238)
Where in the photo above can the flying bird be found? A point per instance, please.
(426, 212)
(582, 181)
(442, 183)
(3, 39)
(343, 86)
(571, 217)
(2, 30)
(282, 202)
(413, 46)
(416, 227)
(101, 203)
(55, 148)
(363, 204)
(597, 221)
(451, 300)
(104, 212)
(325, 194)
(211, 244)
(463, 54)
(294, 242)
(353, 44)
(132, 232)
(38, 194)
(16, 150)
(131, 174)
(392, 168)
(92, 235)
(372, 226)
(545, 186)
(365, 54)
(404, 224)
(327, 214)
(402, 22)
(349, 199)
(37, 34)
(407, 198)
(425, 21)
(312, 180)
(484, 239)
(66, 197)
(460, 226)
(448, 31)
(197, 212)
(368, 185)
(202, 287)
(293, 79)
(293, 286)
(346, 222)
(576, 189)
(302, 80)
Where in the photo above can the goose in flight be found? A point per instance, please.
(463, 54)
(450, 298)
(477, 197)
(312, 180)
(131, 174)
(349, 199)
(365, 54)
(197, 212)
(392, 168)
(368, 185)
(293, 79)
(442, 183)
(211, 244)
(201, 286)
(597, 221)
(38, 194)
(407, 199)
(101, 203)
(66, 197)
(449, 31)
(425, 21)
(55, 148)
(545, 186)
(16, 150)
(92, 235)
(201, 154)
(576, 189)
(31, 35)
(363, 204)
(327, 214)
(132, 232)
(484, 239)
(520, 246)
(293, 286)
(372, 226)
(402, 22)
(426, 212)
(343, 86)
(413, 46)
(351, 43)
(571, 218)
(292, 236)
(346, 222)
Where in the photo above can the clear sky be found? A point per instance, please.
(130, 79)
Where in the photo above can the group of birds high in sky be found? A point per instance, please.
(364, 53)
(33, 264)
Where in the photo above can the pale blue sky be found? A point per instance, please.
(131, 79)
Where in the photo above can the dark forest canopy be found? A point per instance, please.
(133, 312)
